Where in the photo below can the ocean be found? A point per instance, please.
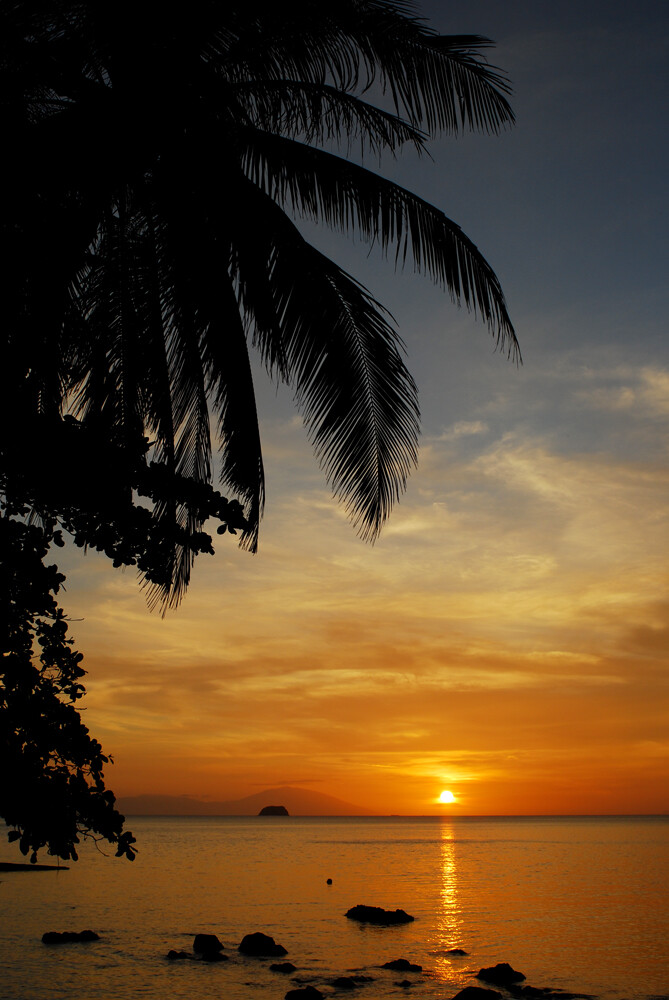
(577, 904)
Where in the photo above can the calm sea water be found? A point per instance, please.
(578, 904)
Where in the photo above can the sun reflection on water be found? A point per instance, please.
(449, 920)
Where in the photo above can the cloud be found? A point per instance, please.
(508, 626)
(641, 391)
(463, 428)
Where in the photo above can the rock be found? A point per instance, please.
(206, 943)
(545, 993)
(177, 955)
(558, 994)
(501, 974)
(65, 937)
(402, 965)
(377, 915)
(87, 936)
(344, 983)
(527, 991)
(285, 967)
(329, 881)
(456, 951)
(477, 993)
(304, 993)
(261, 944)
(274, 811)
(214, 956)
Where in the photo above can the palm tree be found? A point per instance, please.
(162, 158)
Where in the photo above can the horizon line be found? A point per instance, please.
(653, 815)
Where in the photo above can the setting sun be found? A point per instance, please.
(447, 797)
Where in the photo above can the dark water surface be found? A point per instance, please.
(580, 904)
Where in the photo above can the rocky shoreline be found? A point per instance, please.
(257, 945)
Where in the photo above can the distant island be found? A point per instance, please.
(274, 811)
(300, 802)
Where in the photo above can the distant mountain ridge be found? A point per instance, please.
(298, 802)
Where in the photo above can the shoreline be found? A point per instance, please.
(11, 866)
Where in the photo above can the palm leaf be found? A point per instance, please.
(435, 82)
(319, 185)
(316, 112)
(343, 355)
(224, 360)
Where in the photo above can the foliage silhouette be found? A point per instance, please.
(157, 166)
(53, 789)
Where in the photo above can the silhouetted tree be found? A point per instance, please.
(156, 156)
(155, 160)
(52, 790)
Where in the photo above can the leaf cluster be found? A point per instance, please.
(53, 789)
(109, 498)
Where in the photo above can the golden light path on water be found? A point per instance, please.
(449, 921)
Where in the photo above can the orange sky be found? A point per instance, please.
(507, 637)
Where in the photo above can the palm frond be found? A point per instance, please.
(317, 113)
(230, 385)
(343, 354)
(318, 184)
(441, 83)
(434, 82)
(204, 269)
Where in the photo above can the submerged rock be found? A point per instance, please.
(563, 995)
(528, 991)
(477, 993)
(175, 956)
(547, 992)
(377, 915)
(274, 811)
(261, 945)
(344, 983)
(402, 965)
(456, 951)
(285, 967)
(404, 983)
(501, 974)
(304, 993)
(65, 937)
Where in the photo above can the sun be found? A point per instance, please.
(447, 797)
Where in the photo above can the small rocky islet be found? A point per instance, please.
(377, 915)
(68, 937)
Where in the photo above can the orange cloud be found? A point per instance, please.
(506, 638)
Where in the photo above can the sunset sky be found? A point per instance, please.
(507, 638)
